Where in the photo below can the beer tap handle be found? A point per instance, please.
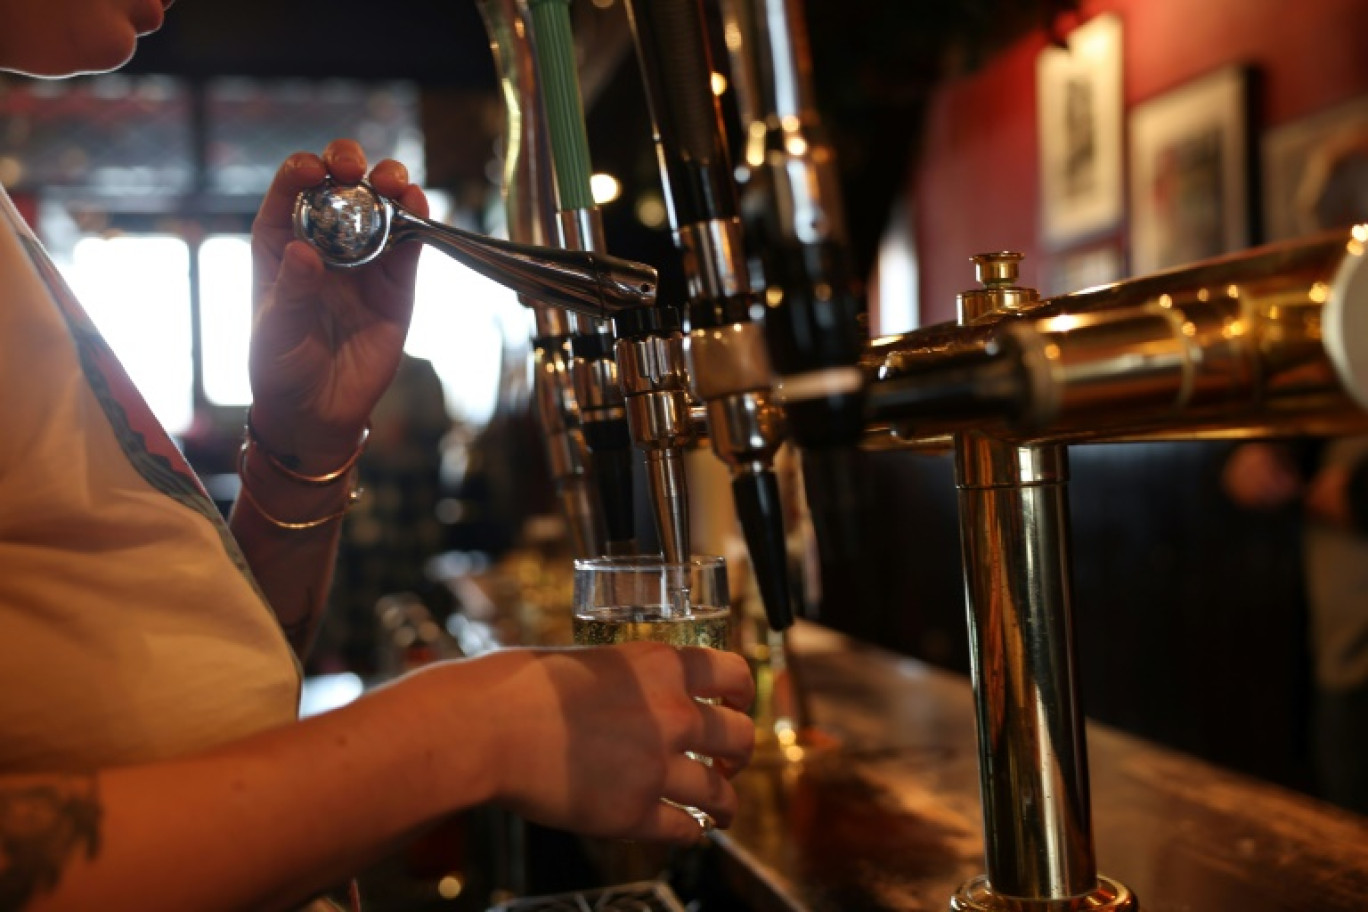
(695, 167)
(676, 68)
(593, 370)
(728, 366)
(529, 192)
(757, 503)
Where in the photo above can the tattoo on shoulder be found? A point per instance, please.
(43, 824)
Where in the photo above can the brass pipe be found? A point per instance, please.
(1258, 343)
(1033, 760)
(1014, 534)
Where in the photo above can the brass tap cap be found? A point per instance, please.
(997, 273)
(997, 269)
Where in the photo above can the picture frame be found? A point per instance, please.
(1315, 172)
(1079, 108)
(1191, 166)
(1086, 267)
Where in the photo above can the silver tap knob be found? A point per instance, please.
(352, 225)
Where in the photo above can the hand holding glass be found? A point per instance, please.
(621, 599)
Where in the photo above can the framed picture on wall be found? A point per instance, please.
(1079, 108)
(1315, 172)
(1191, 167)
(1086, 267)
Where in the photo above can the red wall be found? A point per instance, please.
(976, 186)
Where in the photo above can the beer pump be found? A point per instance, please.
(1266, 342)
(528, 186)
(593, 368)
(728, 364)
(814, 316)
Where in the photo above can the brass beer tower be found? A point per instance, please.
(1014, 532)
(1267, 342)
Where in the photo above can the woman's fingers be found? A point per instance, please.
(298, 172)
(712, 674)
(345, 160)
(694, 784)
(390, 178)
(723, 733)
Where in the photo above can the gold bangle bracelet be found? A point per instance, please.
(245, 492)
(279, 465)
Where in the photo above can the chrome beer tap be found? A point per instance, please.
(528, 187)
(814, 315)
(655, 383)
(350, 226)
(593, 369)
(631, 391)
(728, 364)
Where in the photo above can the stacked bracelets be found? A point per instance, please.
(343, 473)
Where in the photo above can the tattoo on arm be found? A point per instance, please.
(42, 825)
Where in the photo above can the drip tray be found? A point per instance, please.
(644, 896)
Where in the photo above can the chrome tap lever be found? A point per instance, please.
(352, 225)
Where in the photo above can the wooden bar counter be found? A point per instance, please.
(889, 817)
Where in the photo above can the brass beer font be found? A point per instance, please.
(1268, 341)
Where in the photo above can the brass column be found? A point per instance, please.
(1033, 767)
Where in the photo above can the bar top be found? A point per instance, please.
(888, 816)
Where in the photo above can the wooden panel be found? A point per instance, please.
(1190, 614)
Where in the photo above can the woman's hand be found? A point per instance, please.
(325, 343)
(591, 739)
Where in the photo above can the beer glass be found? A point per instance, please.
(620, 599)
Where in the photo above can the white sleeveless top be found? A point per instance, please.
(130, 626)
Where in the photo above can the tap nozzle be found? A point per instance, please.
(650, 357)
(729, 371)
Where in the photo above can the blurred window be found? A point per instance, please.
(114, 137)
(137, 291)
(254, 125)
(146, 187)
(225, 273)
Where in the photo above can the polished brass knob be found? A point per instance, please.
(998, 269)
(997, 274)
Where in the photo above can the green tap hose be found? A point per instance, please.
(561, 99)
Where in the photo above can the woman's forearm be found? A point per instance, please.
(264, 823)
(292, 565)
(589, 739)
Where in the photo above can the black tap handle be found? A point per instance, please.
(676, 66)
(762, 522)
(610, 446)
